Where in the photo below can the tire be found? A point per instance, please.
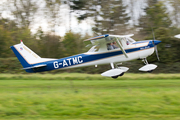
(121, 74)
(114, 77)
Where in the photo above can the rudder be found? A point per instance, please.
(26, 56)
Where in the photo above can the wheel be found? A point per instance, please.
(121, 74)
(114, 77)
(150, 71)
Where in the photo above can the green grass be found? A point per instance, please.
(82, 76)
(153, 98)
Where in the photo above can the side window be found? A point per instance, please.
(127, 42)
(120, 41)
(124, 42)
(94, 48)
(111, 46)
(97, 48)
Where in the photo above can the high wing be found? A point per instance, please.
(97, 37)
(103, 40)
(97, 40)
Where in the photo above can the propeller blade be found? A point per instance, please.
(153, 35)
(155, 47)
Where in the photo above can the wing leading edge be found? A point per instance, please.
(97, 37)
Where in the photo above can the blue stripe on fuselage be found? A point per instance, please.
(84, 58)
(21, 59)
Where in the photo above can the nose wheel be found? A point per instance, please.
(115, 77)
(147, 67)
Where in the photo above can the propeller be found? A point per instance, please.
(155, 46)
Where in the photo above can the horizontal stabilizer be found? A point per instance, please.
(36, 66)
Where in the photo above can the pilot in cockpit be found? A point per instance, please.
(114, 45)
(111, 46)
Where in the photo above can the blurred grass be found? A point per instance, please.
(83, 76)
(135, 97)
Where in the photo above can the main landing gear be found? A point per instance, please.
(117, 75)
(115, 72)
(119, 71)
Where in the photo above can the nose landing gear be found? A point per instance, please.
(148, 67)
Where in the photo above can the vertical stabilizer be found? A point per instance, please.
(28, 58)
(25, 55)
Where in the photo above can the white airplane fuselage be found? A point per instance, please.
(136, 50)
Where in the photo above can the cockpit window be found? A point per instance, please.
(97, 48)
(94, 48)
(109, 38)
(130, 40)
(112, 46)
(127, 42)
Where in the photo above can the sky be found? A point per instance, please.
(84, 26)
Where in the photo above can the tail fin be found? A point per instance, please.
(26, 56)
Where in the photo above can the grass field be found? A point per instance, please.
(82, 96)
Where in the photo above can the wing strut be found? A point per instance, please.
(121, 48)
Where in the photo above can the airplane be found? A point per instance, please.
(105, 49)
